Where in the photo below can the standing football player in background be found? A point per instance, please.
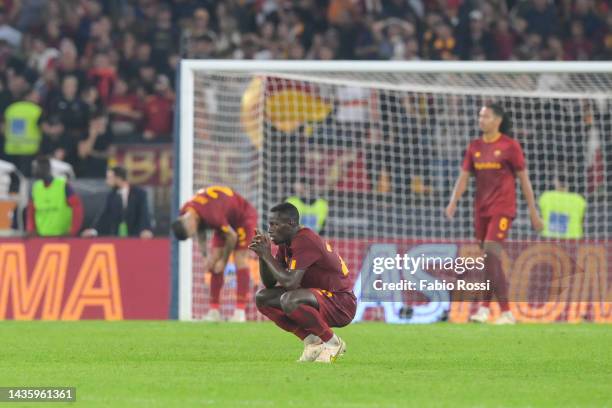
(495, 159)
(308, 289)
(233, 221)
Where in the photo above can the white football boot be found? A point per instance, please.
(213, 316)
(506, 318)
(331, 354)
(239, 316)
(312, 348)
(481, 316)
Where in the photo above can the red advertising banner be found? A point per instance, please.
(72, 279)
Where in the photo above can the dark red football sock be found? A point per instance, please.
(498, 280)
(242, 287)
(486, 300)
(216, 283)
(280, 318)
(309, 319)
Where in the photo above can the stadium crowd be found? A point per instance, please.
(95, 73)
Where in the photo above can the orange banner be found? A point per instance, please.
(72, 279)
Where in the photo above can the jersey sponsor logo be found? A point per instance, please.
(487, 166)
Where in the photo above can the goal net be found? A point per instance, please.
(383, 144)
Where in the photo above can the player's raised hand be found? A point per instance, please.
(261, 243)
(536, 222)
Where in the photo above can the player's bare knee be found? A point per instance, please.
(241, 258)
(263, 297)
(289, 302)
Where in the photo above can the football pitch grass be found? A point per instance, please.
(174, 364)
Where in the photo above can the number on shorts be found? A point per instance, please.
(241, 234)
(503, 224)
(326, 293)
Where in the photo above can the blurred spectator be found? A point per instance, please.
(584, 11)
(22, 134)
(478, 43)
(19, 80)
(73, 114)
(202, 46)
(67, 63)
(541, 17)
(578, 47)
(128, 63)
(164, 36)
(605, 50)
(126, 211)
(103, 75)
(125, 108)
(9, 179)
(56, 143)
(95, 147)
(91, 97)
(442, 45)
(393, 35)
(31, 13)
(198, 28)
(159, 111)
(229, 37)
(13, 197)
(47, 87)
(531, 49)
(7, 33)
(503, 40)
(60, 168)
(366, 47)
(54, 208)
(553, 50)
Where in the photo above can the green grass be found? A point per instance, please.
(172, 364)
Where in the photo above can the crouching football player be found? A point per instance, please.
(307, 285)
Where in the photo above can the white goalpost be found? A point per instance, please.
(382, 142)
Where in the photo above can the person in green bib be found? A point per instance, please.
(562, 212)
(54, 209)
(313, 211)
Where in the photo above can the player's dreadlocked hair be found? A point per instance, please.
(288, 210)
(179, 231)
(505, 126)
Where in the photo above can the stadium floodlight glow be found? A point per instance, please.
(382, 141)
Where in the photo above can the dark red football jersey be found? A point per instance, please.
(324, 267)
(219, 207)
(494, 165)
